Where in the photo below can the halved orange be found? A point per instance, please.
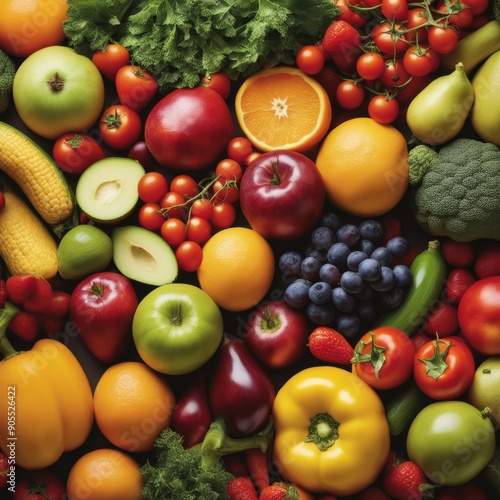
(283, 108)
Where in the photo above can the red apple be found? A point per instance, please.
(277, 334)
(189, 128)
(102, 307)
(282, 194)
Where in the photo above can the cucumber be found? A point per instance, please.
(404, 407)
(429, 273)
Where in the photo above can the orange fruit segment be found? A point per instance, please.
(283, 108)
(237, 268)
(364, 165)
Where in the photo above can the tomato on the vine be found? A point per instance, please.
(189, 255)
(120, 126)
(174, 205)
(394, 10)
(110, 60)
(444, 368)
(149, 216)
(370, 65)
(349, 15)
(406, 93)
(460, 15)
(239, 149)
(419, 60)
(173, 231)
(198, 230)
(415, 21)
(310, 59)
(152, 187)
(350, 95)
(135, 87)
(443, 39)
(229, 170)
(394, 74)
(202, 207)
(185, 185)
(223, 215)
(74, 153)
(383, 358)
(383, 109)
(219, 82)
(390, 37)
(477, 6)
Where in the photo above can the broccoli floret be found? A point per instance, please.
(459, 191)
(7, 72)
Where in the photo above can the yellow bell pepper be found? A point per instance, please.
(46, 402)
(331, 434)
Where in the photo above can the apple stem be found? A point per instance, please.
(56, 83)
(276, 180)
(269, 320)
(6, 315)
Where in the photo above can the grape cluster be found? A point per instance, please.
(346, 278)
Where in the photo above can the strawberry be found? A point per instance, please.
(373, 493)
(59, 304)
(258, 466)
(40, 300)
(420, 338)
(443, 319)
(340, 36)
(241, 488)
(327, 344)
(404, 480)
(457, 282)
(51, 325)
(25, 325)
(20, 287)
(4, 470)
(235, 464)
(487, 261)
(279, 491)
(458, 253)
(3, 293)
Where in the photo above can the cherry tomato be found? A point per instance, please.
(228, 169)
(419, 61)
(141, 153)
(220, 82)
(383, 358)
(223, 215)
(238, 149)
(310, 59)
(199, 230)
(185, 185)
(350, 16)
(394, 10)
(406, 94)
(370, 65)
(173, 231)
(383, 109)
(135, 87)
(442, 39)
(152, 187)
(460, 15)
(444, 368)
(120, 126)
(74, 153)
(39, 485)
(394, 74)
(149, 217)
(415, 20)
(389, 38)
(226, 190)
(350, 95)
(202, 207)
(477, 6)
(189, 255)
(110, 60)
(175, 205)
(251, 157)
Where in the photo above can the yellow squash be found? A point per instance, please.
(331, 434)
(46, 406)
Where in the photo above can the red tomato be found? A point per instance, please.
(460, 15)
(220, 82)
(394, 75)
(370, 65)
(185, 185)
(310, 59)
(349, 15)
(39, 485)
(406, 94)
(202, 207)
(350, 95)
(173, 231)
(189, 255)
(199, 230)
(442, 39)
(394, 10)
(444, 368)
(120, 126)
(74, 153)
(152, 187)
(229, 170)
(149, 216)
(238, 149)
(477, 6)
(389, 38)
(223, 215)
(175, 205)
(479, 315)
(414, 20)
(225, 190)
(383, 358)
(383, 109)
(419, 61)
(110, 60)
(135, 87)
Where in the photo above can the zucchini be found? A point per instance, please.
(404, 407)
(429, 274)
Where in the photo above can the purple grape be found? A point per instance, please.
(355, 258)
(348, 234)
(337, 255)
(329, 273)
(391, 299)
(371, 230)
(320, 314)
(322, 238)
(386, 280)
(404, 277)
(398, 246)
(342, 300)
(383, 255)
(331, 221)
(348, 324)
(289, 263)
(320, 292)
(351, 282)
(309, 268)
(296, 294)
(370, 269)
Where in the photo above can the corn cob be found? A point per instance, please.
(26, 245)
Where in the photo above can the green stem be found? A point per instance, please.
(6, 315)
(217, 442)
(323, 431)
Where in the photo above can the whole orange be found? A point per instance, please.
(237, 268)
(105, 474)
(364, 165)
(133, 404)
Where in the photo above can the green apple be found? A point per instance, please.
(107, 190)
(84, 250)
(177, 328)
(56, 90)
(143, 256)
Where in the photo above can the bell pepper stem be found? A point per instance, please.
(217, 442)
(6, 314)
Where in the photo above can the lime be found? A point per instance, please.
(83, 250)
